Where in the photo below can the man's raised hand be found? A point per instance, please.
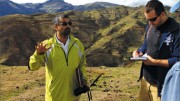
(40, 48)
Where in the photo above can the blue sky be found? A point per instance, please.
(121, 2)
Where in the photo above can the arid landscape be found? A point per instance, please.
(17, 83)
(109, 36)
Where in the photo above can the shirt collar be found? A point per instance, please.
(67, 42)
(164, 27)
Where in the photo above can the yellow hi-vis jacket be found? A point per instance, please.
(60, 69)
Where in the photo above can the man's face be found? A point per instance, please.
(153, 19)
(64, 26)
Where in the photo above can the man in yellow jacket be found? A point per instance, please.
(62, 55)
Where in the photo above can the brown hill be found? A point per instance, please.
(109, 35)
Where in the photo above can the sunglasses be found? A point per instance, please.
(152, 19)
(65, 23)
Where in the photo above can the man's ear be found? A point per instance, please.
(55, 27)
(163, 14)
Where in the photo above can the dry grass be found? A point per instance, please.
(20, 84)
(116, 84)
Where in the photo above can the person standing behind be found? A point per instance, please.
(175, 8)
(161, 44)
(171, 87)
(62, 55)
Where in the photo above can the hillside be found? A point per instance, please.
(116, 84)
(109, 35)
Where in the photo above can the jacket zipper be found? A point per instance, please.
(66, 57)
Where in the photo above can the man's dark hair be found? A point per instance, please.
(58, 17)
(155, 5)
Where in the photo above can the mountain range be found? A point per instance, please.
(8, 7)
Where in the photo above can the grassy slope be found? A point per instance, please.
(116, 84)
(106, 38)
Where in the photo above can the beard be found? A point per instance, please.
(66, 32)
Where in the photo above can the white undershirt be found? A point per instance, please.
(65, 47)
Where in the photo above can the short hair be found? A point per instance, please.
(154, 5)
(56, 20)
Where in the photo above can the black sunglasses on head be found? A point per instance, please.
(65, 23)
(152, 19)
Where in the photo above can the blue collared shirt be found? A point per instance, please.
(171, 87)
